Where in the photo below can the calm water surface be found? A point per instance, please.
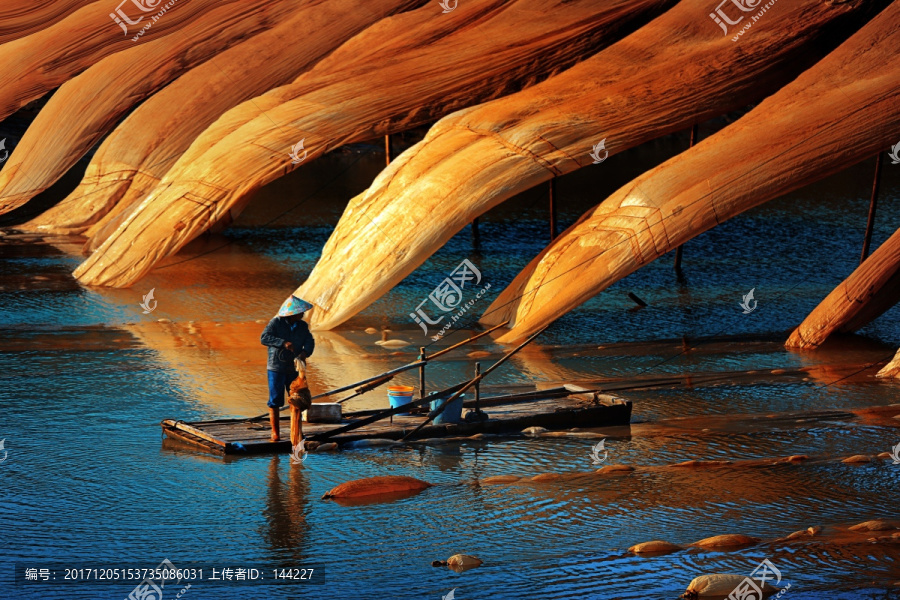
(85, 378)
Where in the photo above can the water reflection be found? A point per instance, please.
(286, 510)
(563, 538)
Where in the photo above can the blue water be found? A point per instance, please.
(85, 378)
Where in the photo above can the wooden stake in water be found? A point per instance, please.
(552, 209)
(873, 203)
(678, 250)
(478, 387)
(423, 360)
(634, 297)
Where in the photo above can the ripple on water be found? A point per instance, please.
(82, 393)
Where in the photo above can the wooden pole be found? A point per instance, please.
(478, 387)
(678, 254)
(366, 388)
(436, 412)
(387, 149)
(634, 297)
(552, 209)
(422, 372)
(678, 250)
(873, 203)
(369, 380)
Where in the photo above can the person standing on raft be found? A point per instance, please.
(288, 338)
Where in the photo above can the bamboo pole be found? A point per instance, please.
(387, 149)
(369, 380)
(366, 388)
(466, 341)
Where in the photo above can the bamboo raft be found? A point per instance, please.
(556, 408)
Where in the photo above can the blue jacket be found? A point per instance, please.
(279, 331)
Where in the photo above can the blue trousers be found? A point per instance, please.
(279, 383)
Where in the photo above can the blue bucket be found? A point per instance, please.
(451, 414)
(400, 395)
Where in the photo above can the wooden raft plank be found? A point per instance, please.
(231, 436)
